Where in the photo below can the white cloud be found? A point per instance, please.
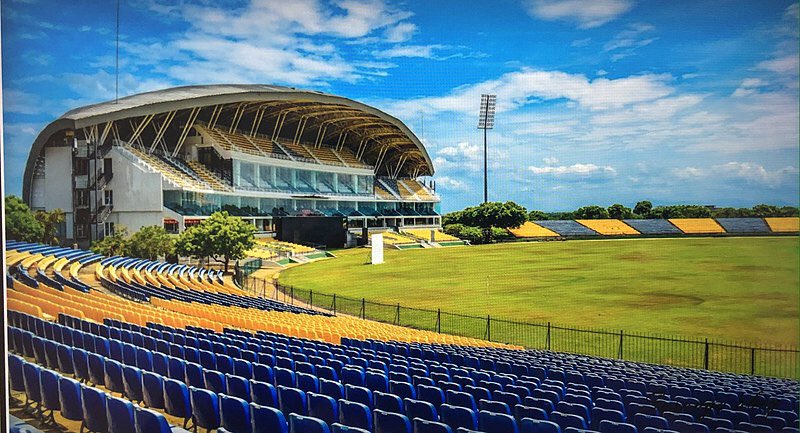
(401, 32)
(748, 86)
(550, 160)
(578, 170)
(742, 171)
(626, 42)
(449, 183)
(468, 157)
(21, 102)
(688, 172)
(586, 13)
(789, 64)
(424, 51)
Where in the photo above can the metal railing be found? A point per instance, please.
(698, 353)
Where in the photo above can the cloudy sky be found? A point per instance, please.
(599, 101)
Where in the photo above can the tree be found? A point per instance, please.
(591, 213)
(221, 237)
(150, 243)
(494, 214)
(643, 208)
(51, 222)
(116, 244)
(21, 225)
(537, 215)
(765, 210)
(467, 233)
(620, 212)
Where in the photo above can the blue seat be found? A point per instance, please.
(194, 375)
(263, 373)
(376, 381)
(215, 381)
(144, 359)
(355, 415)
(94, 410)
(388, 422)
(352, 376)
(177, 401)
(608, 426)
(292, 400)
(208, 360)
(235, 414)
(48, 388)
(565, 420)
(420, 409)
(224, 363)
(132, 383)
(15, 373)
(65, 364)
(387, 402)
(112, 376)
(263, 393)
(462, 399)
(508, 398)
(70, 399)
(528, 425)
(267, 419)
(424, 426)
(205, 408)
(96, 369)
(30, 376)
(176, 368)
(642, 421)
(432, 394)
(693, 427)
(323, 407)
(600, 414)
(403, 390)
(152, 390)
(120, 415)
(160, 364)
(494, 407)
(243, 368)
(307, 424)
(149, 421)
(457, 417)
(522, 411)
(496, 422)
(358, 394)
(284, 377)
(331, 389)
(307, 382)
(238, 387)
(341, 428)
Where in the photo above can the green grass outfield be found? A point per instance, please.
(737, 289)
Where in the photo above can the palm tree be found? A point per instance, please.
(51, 221)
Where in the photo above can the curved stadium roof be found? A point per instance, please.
(310, 116)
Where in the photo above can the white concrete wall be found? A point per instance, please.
(57, 185)
(138, 198)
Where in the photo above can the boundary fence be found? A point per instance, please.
(780, 361)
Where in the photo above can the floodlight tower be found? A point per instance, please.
(486, 121)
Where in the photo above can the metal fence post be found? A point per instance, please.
(548, 335)
(753, 361)
(705, 356)
(621, 333)
(488, 328)
(397, 315)
(311, 298)
(334, 304)
(363, 308)
(439, 320)
(291, 297)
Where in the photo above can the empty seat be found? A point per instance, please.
(70, 400)
(521, 411)
(238, 387)
(153, 390)
(177, 401)
(387, 402)
(496, 422)
(494, 406)
(388, 422)
(306, 424)
(323, 407)
(94, 410)
(292, 400)
(132, 383)
(205, 408)
(148, 421)
(425, 426)
(120, 415)
(607, 426)
(420, 409)
(528, 425)
(235, 414)
(355, 415)
(263, 393)
(358, 394)
(267, 419)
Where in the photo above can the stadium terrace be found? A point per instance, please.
(173, 157)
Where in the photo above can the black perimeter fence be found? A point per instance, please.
(630, 346)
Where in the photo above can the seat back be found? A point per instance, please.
(292, 400)
(149, 421)
(205, 408)
(120, 415)
(176, 399)
(235, 414)
(266, 419)
(153, 390)
(323, 407)
(94, 409)
(355, 415)
(496, 422)
(424, 426)
(69, 396)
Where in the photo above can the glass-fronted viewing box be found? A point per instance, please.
(255, 176)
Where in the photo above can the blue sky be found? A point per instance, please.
(599, 101)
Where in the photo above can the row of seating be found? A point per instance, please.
(613, 227)
(425, 234)
(430, 396)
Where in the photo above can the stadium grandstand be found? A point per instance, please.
(532, 230)
(784, 224)
(697, 225)
(609, 227)
(110, 344)
(172, 157)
